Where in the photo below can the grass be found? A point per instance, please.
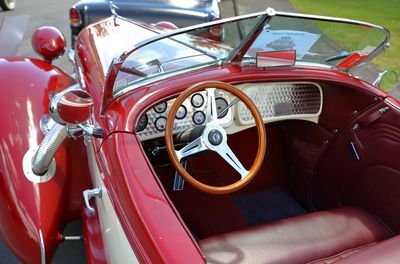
(384, 13)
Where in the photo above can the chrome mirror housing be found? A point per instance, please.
(71, 107)
(386, 80)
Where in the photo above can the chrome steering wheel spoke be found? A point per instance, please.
(227, 154)
(212, 114)
(192, 148)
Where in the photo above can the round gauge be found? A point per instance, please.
(199, 118)
(181, 113)
(142, 123)
(160, 108)
(160, 123)
(197, 100)
(222, 104)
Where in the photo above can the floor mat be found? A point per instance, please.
(268, 206)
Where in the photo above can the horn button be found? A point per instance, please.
(215, 137)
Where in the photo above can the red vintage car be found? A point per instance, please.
(262, 147)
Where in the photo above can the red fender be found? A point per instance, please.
(32, 215)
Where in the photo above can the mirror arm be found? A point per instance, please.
(380, 76)
(94, 131)
(75, 131)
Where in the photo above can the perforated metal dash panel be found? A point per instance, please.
(282, 100)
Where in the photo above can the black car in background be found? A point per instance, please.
(180, 12)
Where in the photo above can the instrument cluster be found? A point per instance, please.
(193, 112)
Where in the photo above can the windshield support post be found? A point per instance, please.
(237, 54)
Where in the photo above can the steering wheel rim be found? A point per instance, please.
(173, 154)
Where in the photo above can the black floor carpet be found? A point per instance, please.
(268, 206)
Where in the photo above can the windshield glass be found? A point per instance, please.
(327, 43)
(193, 49)
(317, 41)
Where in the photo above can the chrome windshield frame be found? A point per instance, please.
(240, 50)
(117, 62)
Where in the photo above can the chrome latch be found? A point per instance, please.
(89, 194)
(179, 182)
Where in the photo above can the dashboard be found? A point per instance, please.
(276, 101)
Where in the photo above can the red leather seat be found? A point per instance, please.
(324, 237)
(386, 252)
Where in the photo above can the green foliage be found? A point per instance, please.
(384, 13)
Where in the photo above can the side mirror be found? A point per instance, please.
(71, 107)
(266, 59)
(386, 80)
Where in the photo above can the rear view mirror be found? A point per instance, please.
(266, 59)
(71, 107)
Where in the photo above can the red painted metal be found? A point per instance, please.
(95, 55)
(93, 239)
(145, 213)
(75, 107)
(28, 209)
(48, 42)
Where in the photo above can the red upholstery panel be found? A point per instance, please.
(297, 240)
(372, 180)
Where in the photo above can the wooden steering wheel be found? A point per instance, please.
(214, 138)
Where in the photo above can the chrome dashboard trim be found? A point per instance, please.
(42, 248)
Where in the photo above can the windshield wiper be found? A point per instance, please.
(139, 73)
(133, 71)
(341, 55)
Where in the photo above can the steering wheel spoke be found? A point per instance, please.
(227, 154)
(190, 149)
(212, 114)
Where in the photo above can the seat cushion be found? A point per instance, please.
(299, 239)
(386, 252)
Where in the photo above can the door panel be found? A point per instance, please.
(362, 167)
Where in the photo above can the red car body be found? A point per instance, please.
(33, 215)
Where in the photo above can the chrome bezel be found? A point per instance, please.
(27, 168)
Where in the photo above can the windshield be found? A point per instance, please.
(193, 49)
(317, 41)
(329, 43)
